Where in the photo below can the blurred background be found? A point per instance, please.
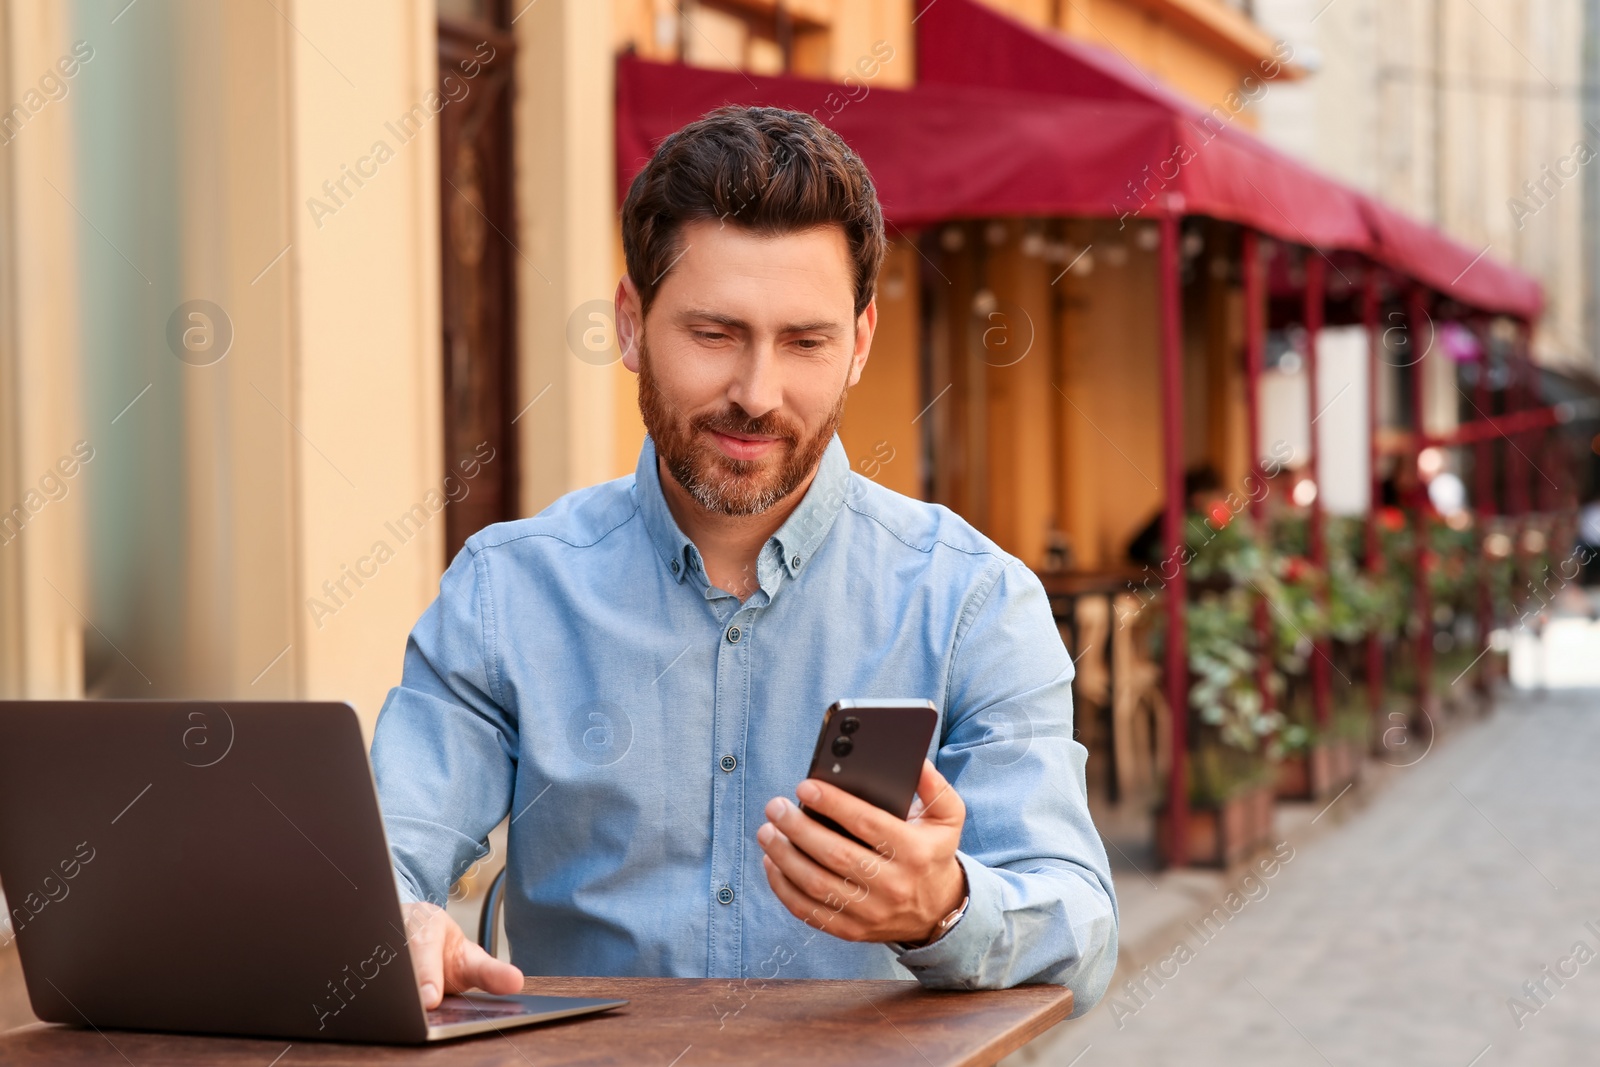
(1265, 331)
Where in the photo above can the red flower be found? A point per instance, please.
(1220, 515)
(1295, 568)
(1392, 519)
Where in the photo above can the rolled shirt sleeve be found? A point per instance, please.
(1041, 904)
(444, 750)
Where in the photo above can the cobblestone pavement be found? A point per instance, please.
(1404, 935)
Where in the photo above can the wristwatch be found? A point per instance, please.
(942, 928)
(950, 920)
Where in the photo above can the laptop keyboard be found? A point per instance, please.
(455, 1010)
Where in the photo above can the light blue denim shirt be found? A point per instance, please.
(579, 673)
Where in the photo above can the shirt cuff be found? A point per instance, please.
(955, 961)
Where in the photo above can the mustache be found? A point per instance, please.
(736, 422)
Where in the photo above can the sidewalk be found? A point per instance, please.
(1400, 926)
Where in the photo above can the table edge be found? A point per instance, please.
(1002, 1045)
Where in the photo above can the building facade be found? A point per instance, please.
(244, 268)
(1476, 117)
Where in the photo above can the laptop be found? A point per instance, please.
(215, 868)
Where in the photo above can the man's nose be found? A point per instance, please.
(757, 388)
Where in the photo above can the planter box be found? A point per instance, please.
(1324, 769)
(1294, 777)
(1305, 775)
(1221, 837)
(1346, 763)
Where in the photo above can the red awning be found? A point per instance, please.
(1223, 171)
(1469, 275)
(939, 152)
(1007, 120)
(935, 152)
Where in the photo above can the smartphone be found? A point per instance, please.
(873, 749)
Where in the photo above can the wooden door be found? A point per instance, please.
(478, 264)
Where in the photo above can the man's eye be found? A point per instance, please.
(710, 335)
(808, 343)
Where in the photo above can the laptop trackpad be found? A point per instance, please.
(489, 1011)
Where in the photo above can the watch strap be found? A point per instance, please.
(950, 920)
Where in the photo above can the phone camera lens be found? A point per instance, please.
(850, 725)
(842, 746)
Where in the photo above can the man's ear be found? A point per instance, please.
(630, 322)
(866, 326)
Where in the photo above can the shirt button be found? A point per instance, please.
(674, 566)
(733, 635)
(725, 895)
(728, 763)
(796, 562)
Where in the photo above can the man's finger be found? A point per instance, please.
(939, 800)
(475, 968)
(867, 821)
(828, 848)
(814, 913)
(427, 952)
(814, 878)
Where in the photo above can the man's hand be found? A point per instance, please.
(446, 960)
(898, 890)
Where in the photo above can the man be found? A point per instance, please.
(636, 675)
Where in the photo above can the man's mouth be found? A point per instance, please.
(744, 446)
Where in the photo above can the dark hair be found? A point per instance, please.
(770, 170)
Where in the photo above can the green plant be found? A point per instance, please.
(1454, 573)
(1354, 601)
(1352, 719)
(1294, 738)
(1290, 585)
(1218, 773)
(1223, 659)
(1223, 645)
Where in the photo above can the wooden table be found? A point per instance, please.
(669, 1022)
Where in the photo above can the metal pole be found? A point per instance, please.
(1321, 680)
(1542, 472)
(1483, 493)
(1517, 472)
(1177, 593)
(1483, 453)
(1374, 563)
(1254, 358)
(1516, 459)
(1416, 314)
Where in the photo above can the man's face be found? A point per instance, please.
(745, 358)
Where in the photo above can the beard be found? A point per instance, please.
(719, 482)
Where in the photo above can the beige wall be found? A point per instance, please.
(833, 36)
(878, 433)
(320, 423)
(1114, 469)
(1018, 340)
(1446, 110)
(1162, 37)
(239, 607)
(858, 27)
(41, 579)
(569, 262)
(1132, 30)
(366, 364)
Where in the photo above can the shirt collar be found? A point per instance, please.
(797, 539)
